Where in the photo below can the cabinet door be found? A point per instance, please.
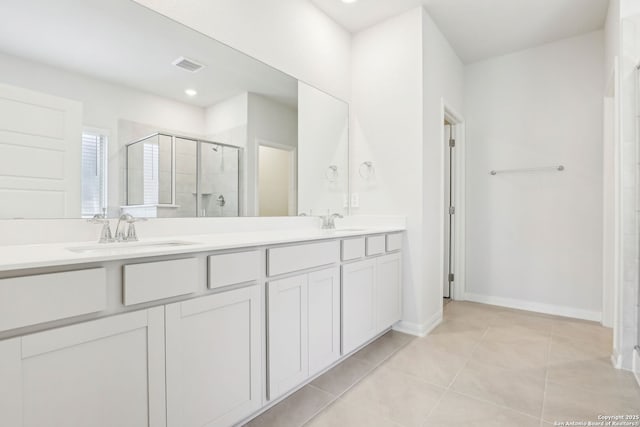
(107, 372)
(389, 290)
(213, 358)
(288, 356)
(324, 319)
(358, 304)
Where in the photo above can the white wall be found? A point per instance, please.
(629, 8)
(271, 121)
(386, 128)
(535, 239)
(290, 35)
(402, 69)
(611, 38)
(225, 116)
(323, 141)
(443, 81)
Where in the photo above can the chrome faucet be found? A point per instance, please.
(329, 221)
(130, 235)
(105, 233)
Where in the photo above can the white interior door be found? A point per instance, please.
(40, 152)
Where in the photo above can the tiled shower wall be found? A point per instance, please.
(630, 190)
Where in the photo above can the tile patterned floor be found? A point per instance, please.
(484, 366)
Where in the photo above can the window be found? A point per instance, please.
(151, 156)
(94, 174)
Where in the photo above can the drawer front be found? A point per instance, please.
(42, 298)
(394, 242)
(352, 249)
(157, 280)
(375, 245)
(300, 257)
(230, 269)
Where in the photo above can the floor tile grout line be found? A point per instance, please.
(453, 380)
(583, 388)
(489, 402)
(358, 381)
(450, 386)
(329, 403)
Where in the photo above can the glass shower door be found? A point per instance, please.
(218, 178)
(186, 177)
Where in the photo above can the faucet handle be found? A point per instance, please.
(97, 219)
(132, 236)
(105, 233)
(131, 232)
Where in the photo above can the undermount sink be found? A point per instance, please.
(350, 229)
(105, 247)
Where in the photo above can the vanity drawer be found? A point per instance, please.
(394, 242)
(375, 245)
(230, 269)
(157, 280)
(352, 248)
(300, 257)
(29, 300)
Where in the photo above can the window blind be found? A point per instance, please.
(93, 174)
(151, 162)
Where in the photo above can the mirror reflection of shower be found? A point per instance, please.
(198, 177)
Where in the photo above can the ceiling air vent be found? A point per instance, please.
(188, 64)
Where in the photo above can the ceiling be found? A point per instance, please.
(480, 29)
(123, 42)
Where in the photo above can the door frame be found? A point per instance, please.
(459, 285)
(293, 174)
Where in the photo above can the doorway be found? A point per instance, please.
(449, 203)
(453, 213)
(276, 179)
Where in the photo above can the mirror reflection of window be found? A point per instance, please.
(94, 174)
(150, 165)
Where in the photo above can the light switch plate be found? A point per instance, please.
(355, 200)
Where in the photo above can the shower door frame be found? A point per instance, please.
(199, 142)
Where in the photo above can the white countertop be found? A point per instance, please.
(21, 257)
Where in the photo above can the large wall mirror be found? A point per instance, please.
(109, 107)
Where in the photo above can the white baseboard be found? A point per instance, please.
(616, 359)
(419, 330)
(636, 364)
(557, 310)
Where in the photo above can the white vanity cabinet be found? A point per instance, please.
(388, 290)
(217, 337)
(304, 327)
(371, 297)
(106, 372)
(358, 304)
(214, 369)
(324, 318)
(287, 334)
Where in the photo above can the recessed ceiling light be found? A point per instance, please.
(191, 92)
(349, 1)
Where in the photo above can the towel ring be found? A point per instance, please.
(366, 169)
(332, 173)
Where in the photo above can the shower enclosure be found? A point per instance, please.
(176, 176)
